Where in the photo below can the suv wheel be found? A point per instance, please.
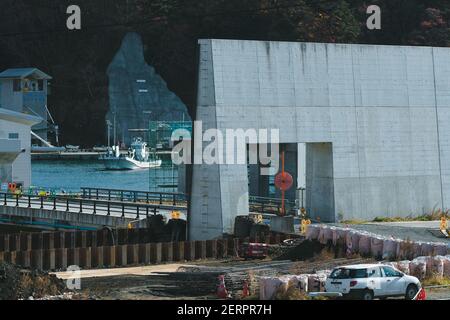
(411, 292)
(367, 295)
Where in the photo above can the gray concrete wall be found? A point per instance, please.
(319, 200)
(385, 109)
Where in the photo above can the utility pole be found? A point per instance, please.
(108, 124)
(114, 132)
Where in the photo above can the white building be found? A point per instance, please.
(25, 90)
(15, 145)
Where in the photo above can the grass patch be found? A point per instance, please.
(436, 280)
(353, 221)
(433, 216)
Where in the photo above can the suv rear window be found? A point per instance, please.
(343, 273)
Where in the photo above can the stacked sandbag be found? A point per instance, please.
(321, 237)
(312, 232)
(340, 236)
(301, 282)
(435, 266)
(427, 249)
(364, 244)
(352, 241)
(418, 268)
(405, 250)
(416, 249)
(268, 286)
(316, 282)
(328, 234)
(403, 266)
(439, 249)
(390, 249)
(447, 266)
(376, 246)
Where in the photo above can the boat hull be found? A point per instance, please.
(128, 164)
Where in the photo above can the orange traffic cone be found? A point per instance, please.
(221, 290)
(421, 295)
(245, 291)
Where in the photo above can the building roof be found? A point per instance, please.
(19, 117)
(20, 73)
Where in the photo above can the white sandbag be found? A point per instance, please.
(436, 266)
(418, 268)
(300, 282)
(268, 286)
(447, 266)
(321, 238)
(328, 234)
(340, 236)
(417, 249)
(316, 282)
(426, 249)
(352, 241)
(312, 232)
(439, 249)
(390, 249)
(405, 250)
(376, 246)
(364, 244)
(403, 266)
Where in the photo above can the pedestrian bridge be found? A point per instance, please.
(91, 208)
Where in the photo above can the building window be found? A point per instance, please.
(41, 85)
(17, 85)
(13, 135)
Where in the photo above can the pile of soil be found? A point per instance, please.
(300, 251)
(17, 283)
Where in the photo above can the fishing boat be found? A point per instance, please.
(137, 157)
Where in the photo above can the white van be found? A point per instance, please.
(368, 281)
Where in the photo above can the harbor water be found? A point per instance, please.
(71, 175)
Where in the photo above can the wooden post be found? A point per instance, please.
(83, 239)
(25, 258)
(121, 255)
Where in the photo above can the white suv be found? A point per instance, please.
(367, 281)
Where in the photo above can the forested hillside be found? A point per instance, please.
(34, 33)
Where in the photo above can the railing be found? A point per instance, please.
(161, 198)
(83, 205)
(271, 205)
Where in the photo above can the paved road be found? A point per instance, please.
(416, 230)
(138, 271)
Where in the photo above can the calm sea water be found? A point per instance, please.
(71, 175)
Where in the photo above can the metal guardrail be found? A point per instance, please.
(174, 198)
(83, 205)
(271, 205)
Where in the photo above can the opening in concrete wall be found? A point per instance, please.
(264, 186)
(319, 181)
